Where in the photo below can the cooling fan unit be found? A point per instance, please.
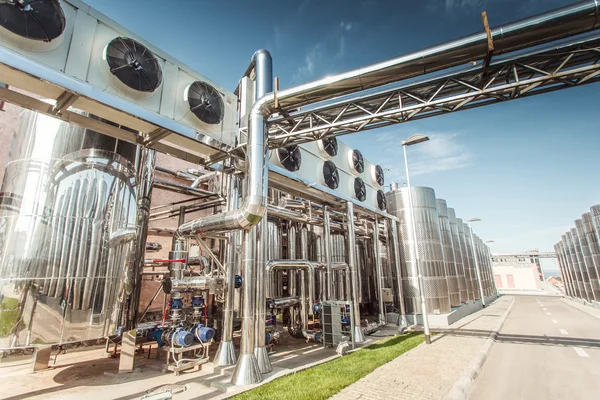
(41, 20)
(381, 202)
(357, 161)
(205, 102)
(133, 64)
(360, 190)
(331, 176)
(290, 157)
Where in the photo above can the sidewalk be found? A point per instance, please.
(430, 371)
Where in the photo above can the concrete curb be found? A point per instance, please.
(461, 388)
(580, 307)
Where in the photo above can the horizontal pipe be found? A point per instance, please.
(122, 236)
(186, 284)
(286, 214)
(182, 189)
(283, 302)
(567, 21)
(178, 174)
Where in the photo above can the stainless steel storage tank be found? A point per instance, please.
(586, 258)
(575, 265)
(576, 276)
(594, 245)
(429, 250)
(467, 257)
(449, 259)
(68, 234)
(585, 277)
(471, 258)
(458, 257)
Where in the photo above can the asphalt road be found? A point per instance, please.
(546, 350)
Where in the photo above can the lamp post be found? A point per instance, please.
(416, 139)
(477, 262)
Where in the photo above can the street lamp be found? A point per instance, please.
(416, 139)
(477, 263)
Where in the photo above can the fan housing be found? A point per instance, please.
(328, 147)
(205, 102)
(331, 175)
(360, 190)
(356, 161)
(381, 202)
(378, 175)
(41, 20)
(133, 64)
(290, 157)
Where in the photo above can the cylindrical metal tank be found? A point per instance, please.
(449, 259)
(594, 245)
(458, 257)
(585, 277)
(68, 235)
(429, 249)
(575, 264)
(566, 277)
(586, 257)
(471, 261)
(576, 277)
(467, 258)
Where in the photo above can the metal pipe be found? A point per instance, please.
(378, 272)
(543, 28)
(291, 265)
(225, 354)
(358, 336)
(203, 178)
(260, 351)
(283, 302)
(182, 189)
(286, 214)
(253, 207)
(475, 258)
(178, 174)
(186, 283)
(122, 236)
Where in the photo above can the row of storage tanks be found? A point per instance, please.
(578, 253)
(451, 256)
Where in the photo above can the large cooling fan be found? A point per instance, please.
(290, 157)
(133, 64)
(381, 202)
(378, 175)
(329, 146)
(360, 190)
(33, 19)
(331, 175)
(205, 102)
(357, 162)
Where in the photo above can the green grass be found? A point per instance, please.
(8, 315)
(325, 380)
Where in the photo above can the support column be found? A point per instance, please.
(359, 336)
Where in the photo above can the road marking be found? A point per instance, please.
(580, 352)
(555, 321)
(544, 308)
(563, 332)
(548, 313)
(313, 350)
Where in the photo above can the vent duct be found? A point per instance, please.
(360, 190)
(357, 163)
(133, 64)
(381, 202)
(328, 147)
(331, 175)
(205, 102)
(378, 175)
(41, 20)
(290, 157)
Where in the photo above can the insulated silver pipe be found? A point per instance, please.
(187, 283)
(253, 206)
(327, 253)
(286, 214)
(359, 337)
(293, 265)
(308, 297)
(542, 28)
(378, 272)
(260, 352)
(226, 352)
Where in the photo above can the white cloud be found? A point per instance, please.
(307, 69)
(443, 152)
(346, 25)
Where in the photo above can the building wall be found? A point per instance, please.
(513, 273)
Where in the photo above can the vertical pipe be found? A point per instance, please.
(247, 369)
(260, 351)
(327, 250)
(378, 271)
(396, 248)
(358, 333)
(226, 352)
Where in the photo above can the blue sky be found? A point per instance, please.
(528, 168)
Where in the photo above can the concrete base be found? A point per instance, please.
(445, 320)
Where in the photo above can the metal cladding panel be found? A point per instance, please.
(585, 276)
(576, 267)
(591, 222)
(465, 243)
(482, 266)
(69, 221)
(564, 270)
(449, 259)
(568, 264)
(458, 256)
(435, 286)
(586, 255)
